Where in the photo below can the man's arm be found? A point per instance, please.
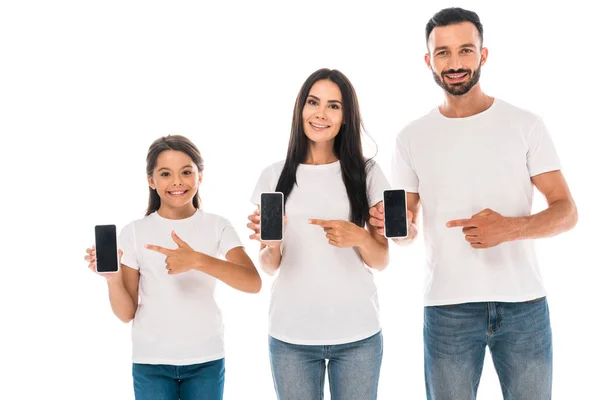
(561, 214)
(488, 228)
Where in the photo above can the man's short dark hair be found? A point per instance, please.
(452, 16)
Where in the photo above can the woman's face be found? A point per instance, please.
(323, 114)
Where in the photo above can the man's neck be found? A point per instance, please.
(467, 105)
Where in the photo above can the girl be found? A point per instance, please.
(324, 302)
(169, 261)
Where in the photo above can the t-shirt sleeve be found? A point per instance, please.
(265, 184)
(403, 174)
(228, 238)
(541, 153)
(376, 184)
(126, 242)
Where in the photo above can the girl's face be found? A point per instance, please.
(175, 178)
(322, 115)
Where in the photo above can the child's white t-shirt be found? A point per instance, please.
(322, 295)
(460, 166)
(177, 321)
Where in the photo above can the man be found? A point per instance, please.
(472, 164)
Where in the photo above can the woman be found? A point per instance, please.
(324, 302)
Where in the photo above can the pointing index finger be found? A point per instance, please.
(159, 249)
(460, 222)
(321, 222)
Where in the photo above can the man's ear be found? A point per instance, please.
(428, 60)
(484, 55)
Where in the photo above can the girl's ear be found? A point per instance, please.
(151, 183)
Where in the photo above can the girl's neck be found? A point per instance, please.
(320, 153)
(168, 212)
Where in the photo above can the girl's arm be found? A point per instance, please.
(122, 287)
(238, 271)
(123, 293)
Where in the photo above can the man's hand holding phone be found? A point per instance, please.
(377, 219)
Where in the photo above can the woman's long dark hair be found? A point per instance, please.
(347, 145)
(177, 143)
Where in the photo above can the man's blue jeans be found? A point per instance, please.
(519, 338)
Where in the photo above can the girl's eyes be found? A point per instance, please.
(165, 174)
(311, 102)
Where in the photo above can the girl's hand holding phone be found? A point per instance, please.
(91, 259)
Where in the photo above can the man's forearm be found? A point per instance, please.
(559, 217)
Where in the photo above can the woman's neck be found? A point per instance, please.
(320, 153)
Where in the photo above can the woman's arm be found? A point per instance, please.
(269, 256)
(372, 247)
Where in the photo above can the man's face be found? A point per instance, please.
(455, 57)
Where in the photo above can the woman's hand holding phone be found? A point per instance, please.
(254, 226)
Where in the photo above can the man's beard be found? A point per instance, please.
(461, 88)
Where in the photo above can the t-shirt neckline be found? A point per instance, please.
(472, 117)
(157, 216)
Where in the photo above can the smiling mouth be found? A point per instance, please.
(456, 77)
(319, 127)
(177, 192)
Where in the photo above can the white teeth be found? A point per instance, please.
(319, 126)
(178, 192)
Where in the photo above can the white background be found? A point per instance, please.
(85, 87)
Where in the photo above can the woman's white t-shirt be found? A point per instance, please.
(323, 295)
(177, 321)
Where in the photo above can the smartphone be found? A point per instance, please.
(271, 216)
(394, 208)
(107, 256)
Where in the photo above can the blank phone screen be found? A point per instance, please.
(394, 202)
(106, 249)
(271, 216)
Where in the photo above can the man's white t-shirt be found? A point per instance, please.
(460, 166)
(177, 321)
(322, 295)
